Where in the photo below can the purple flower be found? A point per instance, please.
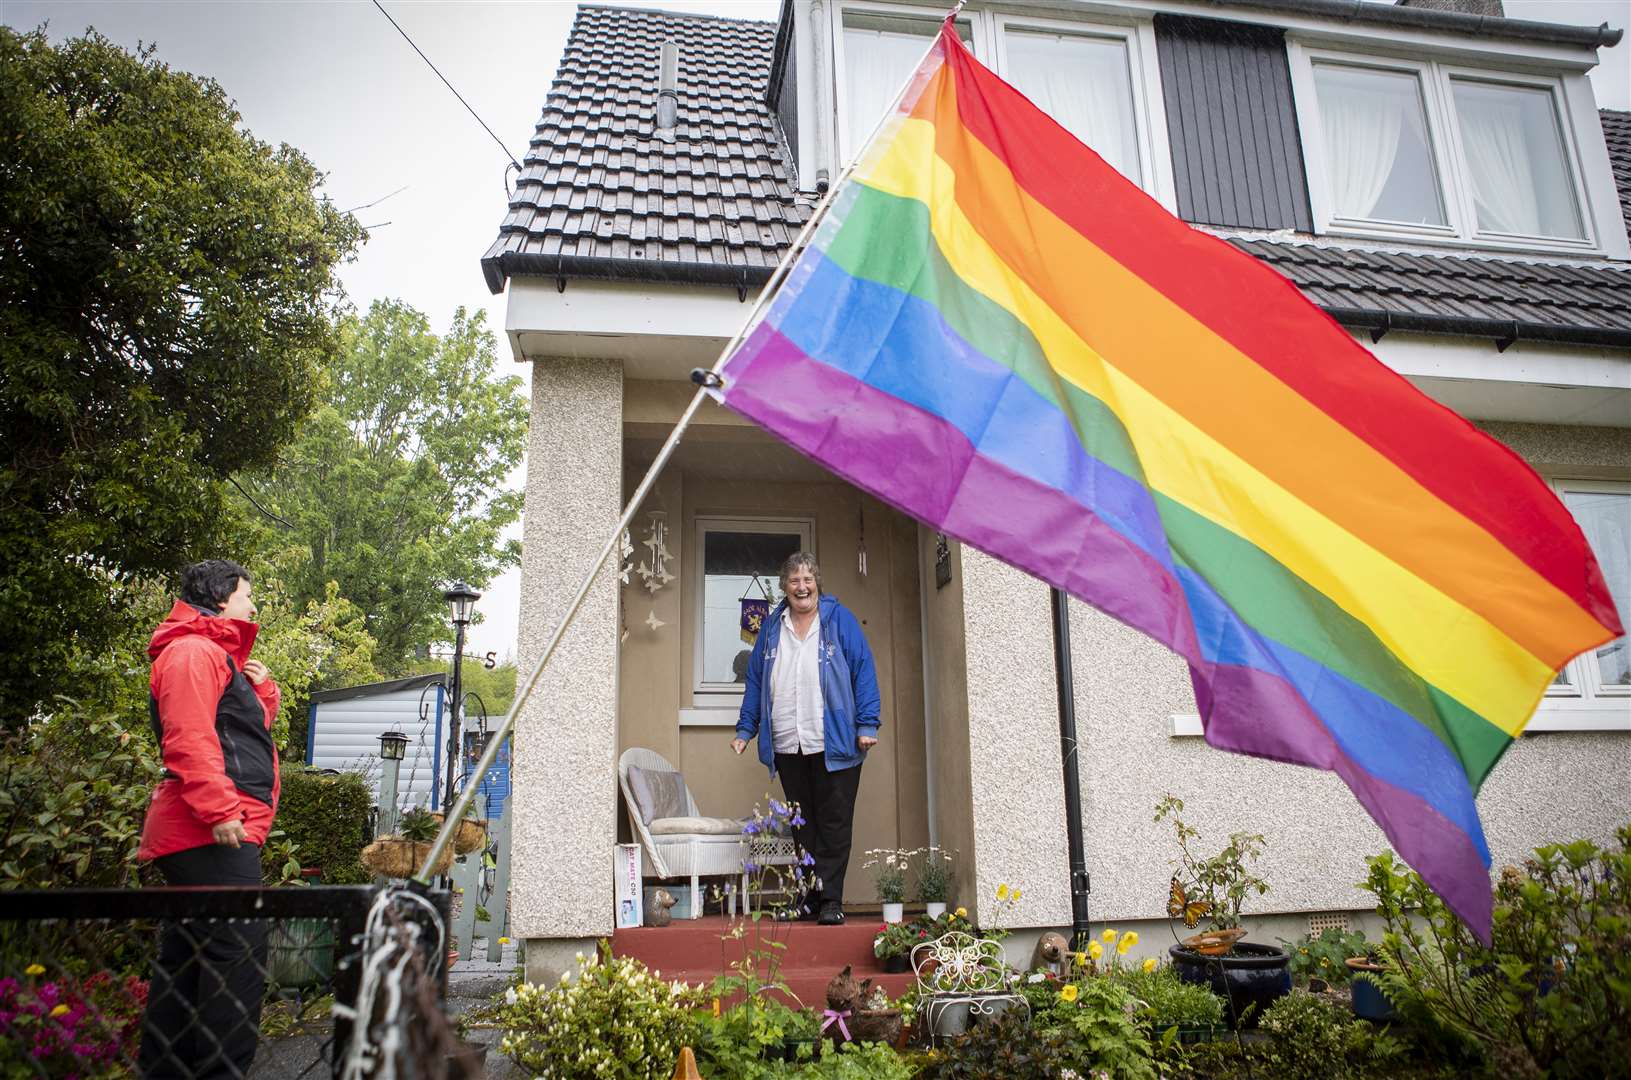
(798, 819)
(751, 828)
(778, 809)
(750, 868)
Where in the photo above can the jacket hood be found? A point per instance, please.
(235, 636)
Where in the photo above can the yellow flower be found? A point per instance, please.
(34, 969)
(1095, 950)
(1149, 964)
(60, 1010)
(1081, 959)
(961, 913)
(1125, 944)
(503, 941)
(1002, 892)
(1108, 935)
(1015, 893)
(1067, 992)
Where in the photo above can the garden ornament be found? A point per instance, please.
(686, 1067)
(1052, 952)
(657, 914)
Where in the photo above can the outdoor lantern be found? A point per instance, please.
(393, 746)
(460, 599)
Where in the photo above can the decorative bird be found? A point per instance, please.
(657, 913)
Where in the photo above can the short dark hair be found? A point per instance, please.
(209, 583)
(801, 560)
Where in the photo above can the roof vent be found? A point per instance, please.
(668, 91)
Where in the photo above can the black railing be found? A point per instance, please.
(181, 981)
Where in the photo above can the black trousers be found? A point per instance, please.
(827, 803)
(204, 1003)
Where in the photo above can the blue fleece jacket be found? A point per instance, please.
(849, 687)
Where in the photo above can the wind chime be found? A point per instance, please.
(653, 567)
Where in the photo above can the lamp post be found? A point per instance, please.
(393, 746)
(461, 601)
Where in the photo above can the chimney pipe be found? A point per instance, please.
(668, 91)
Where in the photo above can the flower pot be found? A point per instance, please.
(894, 913)
(1368, 1000)
(1252, 977)
(934, 908)
(877, 1025)
(898, 964)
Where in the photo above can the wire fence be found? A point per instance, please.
(238, 983)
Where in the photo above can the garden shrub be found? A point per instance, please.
(613, 1018)
(1309, 1040)
(1325, 956)
(1552, 995)
(69, 1027)
(1165, 1001)
(1007, 1049)
(324, 817)
(742, 1040)
(73, 794)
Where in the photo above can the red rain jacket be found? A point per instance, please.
(191, 674)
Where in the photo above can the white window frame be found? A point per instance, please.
(1449, 159)
(711, 695)
(1585, 704)
(988, 31)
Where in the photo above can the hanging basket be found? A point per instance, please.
(470, 836)
(395, 857)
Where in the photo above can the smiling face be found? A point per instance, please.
(801, 582)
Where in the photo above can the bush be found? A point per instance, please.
(1165, 1001)
(73, 793)
(1552, 995)
(1008, 1049)
(614, 1018)
(1326, 956)
(68, 1027)
(325, 818)
(1309, 1037)
(743, 1040)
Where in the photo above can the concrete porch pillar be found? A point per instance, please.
(565, 770)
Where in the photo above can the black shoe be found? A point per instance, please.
(832, 913)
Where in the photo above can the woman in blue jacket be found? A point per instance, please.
(812, 699)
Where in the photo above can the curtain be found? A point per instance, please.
(876, 64)
(1503, 176)
(1605, 518)
(1085, 85)
(1362, 132)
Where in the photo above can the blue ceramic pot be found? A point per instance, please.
(1250, 975)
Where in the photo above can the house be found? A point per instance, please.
(1436, 177)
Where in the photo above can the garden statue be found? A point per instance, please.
(657, 913)
(842, 995)
(1052, 952)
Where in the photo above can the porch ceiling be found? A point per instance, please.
(726, 454)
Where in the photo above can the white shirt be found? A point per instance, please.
(796, 707)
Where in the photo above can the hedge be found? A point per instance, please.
(326, 816)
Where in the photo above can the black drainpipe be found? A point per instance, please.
(1080, 884)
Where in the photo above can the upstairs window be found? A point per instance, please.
(880, 51)
(1085, 83)
(1425, 150)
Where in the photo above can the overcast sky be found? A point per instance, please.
(333, 78)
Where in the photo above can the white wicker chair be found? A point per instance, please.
(679, 854)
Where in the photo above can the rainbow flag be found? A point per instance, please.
(995, 332)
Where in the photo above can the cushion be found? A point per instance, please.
(658, 793)
(695, 826)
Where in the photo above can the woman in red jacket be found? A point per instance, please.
(212, 708)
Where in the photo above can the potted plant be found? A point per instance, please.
(401, 855)
(894, 942)
(933, 879)
(1248, 976)
(1368, 1000)
(888, 866)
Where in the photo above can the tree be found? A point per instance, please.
(395, 485)
(167, 300)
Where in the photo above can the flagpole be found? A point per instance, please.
(708, 381)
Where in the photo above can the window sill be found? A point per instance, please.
(716, 717)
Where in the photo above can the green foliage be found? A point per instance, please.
(1325, 956)
(744, 1040)
(394, 487)
(933, 874)
(1165, 1001)
(1008, 1049)
(418, 825)
(326, 819)
(1096, 1015)
(73, 794)
(170, 294)
(1552, 995)
(1309, 1037)
(899, 939)
(308, 645)
(612, 1018)
(888, 866)
(1222, 880)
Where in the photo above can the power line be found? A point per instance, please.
(447, 84)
